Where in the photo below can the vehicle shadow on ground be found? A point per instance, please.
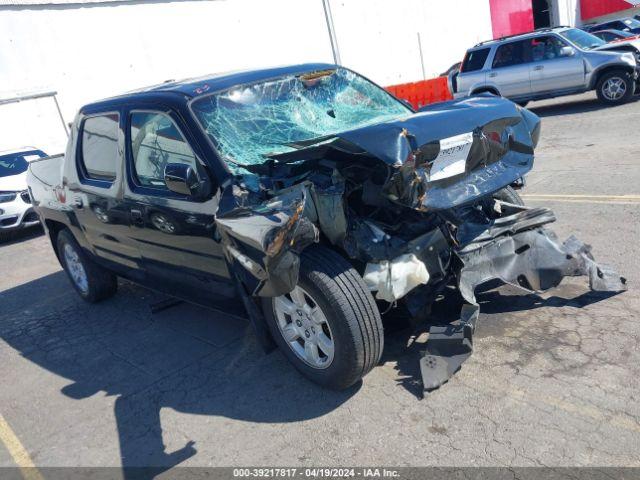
(191, 360)
(408, 346)
(150, 362)
(572, 107)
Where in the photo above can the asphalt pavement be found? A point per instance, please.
(553, 380)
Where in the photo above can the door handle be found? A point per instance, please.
(136, 217)
(539, 67)
(493, 75)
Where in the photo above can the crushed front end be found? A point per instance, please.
(415, 201)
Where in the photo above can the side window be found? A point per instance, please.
(100, 146)
(475, 60)
(513, 53)
(546, 48)
(156, 142)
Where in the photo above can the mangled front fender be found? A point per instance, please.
(262, 242)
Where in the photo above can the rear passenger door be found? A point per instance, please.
(510, 69)
(176, 234)
(551, 70)
(96, 199)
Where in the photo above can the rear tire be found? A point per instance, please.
(92, 282)
(353, 322)
(509, 195)
(492, 92)
(615, 87)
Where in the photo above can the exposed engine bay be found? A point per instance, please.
(415, 203)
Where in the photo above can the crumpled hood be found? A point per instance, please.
(633, 41)
(453, 153)
(446, 155)
(386, 141)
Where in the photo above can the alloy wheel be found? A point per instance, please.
(305, 328)
(614, 89)
(75, 268)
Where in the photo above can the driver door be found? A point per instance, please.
(176, 234)
(552, 69)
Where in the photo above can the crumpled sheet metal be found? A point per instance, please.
(501, 151)
(532, 260)
(503, 138)
(262, 243)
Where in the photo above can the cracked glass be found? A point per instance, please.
(248, 122)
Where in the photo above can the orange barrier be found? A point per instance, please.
(422, 93)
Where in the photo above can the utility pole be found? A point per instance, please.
(424, 75)
(332, 31)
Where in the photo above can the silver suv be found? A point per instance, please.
(547, 63)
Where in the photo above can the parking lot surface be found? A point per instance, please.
(553, 380)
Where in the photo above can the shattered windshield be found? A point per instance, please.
(248, 122)
(582, 39)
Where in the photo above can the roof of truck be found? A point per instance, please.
(194, 87)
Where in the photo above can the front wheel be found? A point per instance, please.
(329, 326)
(92, 282)
(615, 87)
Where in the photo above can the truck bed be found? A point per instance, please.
(43, 176)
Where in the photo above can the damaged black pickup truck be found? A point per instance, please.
(315, 198)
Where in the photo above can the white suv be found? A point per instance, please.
(15, 204)
(547, 63)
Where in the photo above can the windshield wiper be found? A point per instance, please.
(298, 144)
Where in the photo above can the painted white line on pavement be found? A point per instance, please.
(18, 452)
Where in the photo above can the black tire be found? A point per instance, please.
(627, 81)
(351, 312)
(509, 195)
(101, 283)
(492, 92)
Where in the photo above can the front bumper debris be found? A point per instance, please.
(517, 250)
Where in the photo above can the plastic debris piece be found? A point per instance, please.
(393, 280)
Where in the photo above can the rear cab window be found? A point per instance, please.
(99, 147)
(474, 60)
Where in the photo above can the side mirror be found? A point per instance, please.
(567, 51)
(182, 178)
